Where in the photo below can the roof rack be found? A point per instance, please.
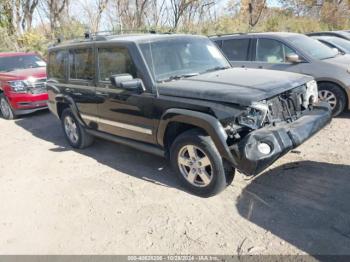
(102, 35)
(236, 33)
(239, 33)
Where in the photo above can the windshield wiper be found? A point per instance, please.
(217, 68)
(177, 77)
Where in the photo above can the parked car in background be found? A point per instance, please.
(341, 34)
(178, 97)
(341, 44)
(22, 84)
(295, 53)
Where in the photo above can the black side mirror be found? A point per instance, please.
(127, 82)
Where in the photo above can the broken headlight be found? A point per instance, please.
(21, 86)
(311, 95)
(254, 116)
(18, 86)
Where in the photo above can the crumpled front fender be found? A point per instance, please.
(280, 139)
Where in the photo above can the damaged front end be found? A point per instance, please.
(269, 129)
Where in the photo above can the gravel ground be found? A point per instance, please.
(111, 199)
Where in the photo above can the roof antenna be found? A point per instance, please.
(87, 35)
(59, 39)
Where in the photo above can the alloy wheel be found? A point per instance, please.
(5, 107)
(195, 166)
(329, 97)
(71, 129)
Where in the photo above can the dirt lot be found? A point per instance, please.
(110, 199)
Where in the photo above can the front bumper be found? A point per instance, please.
(19, 112)
(281, 139)
(22, 102)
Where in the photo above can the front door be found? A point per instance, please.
(271, 54)
(122, 112)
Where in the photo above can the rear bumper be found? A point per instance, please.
(280, 139)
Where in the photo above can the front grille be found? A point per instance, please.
(38, 87)
(286, 106)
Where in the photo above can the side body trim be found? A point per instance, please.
(117, 124)
(129, 142)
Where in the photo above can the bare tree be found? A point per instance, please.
(132, 14)
(54, 11)
(252, 9)
(28, 8)
(158, 13)
(93, 11)
(19, 14)
(179, 7)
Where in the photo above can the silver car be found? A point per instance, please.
(295, 53)
(341, 44)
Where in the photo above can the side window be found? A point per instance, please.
(56, 64)
(236, 49)
(218, 43)
(81, 64)
(113, 61)
(272, 51)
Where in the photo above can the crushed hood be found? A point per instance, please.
(234, 85)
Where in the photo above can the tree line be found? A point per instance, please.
(34, 24)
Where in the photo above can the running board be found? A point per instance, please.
(128, 142)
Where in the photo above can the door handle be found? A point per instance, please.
(261, 67)
(68, 90)
(243, 66)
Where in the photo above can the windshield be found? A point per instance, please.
(345, 33)
(11, 63)
(176, 58)
(342, 43)
(312, 47)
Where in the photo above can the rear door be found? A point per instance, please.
(81, 82)
(122, 112)
(238, 51)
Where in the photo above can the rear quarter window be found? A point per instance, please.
(236, 49)
(56, 64)
(81, 64)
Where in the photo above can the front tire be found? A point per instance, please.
(199, 166)
(6, 109)
(74, 132)
(334, 95)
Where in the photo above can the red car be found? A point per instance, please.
(22, 84)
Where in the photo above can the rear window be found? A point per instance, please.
(81, 64)
(56, 64)
(236, 49)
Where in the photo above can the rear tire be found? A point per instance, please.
(6, 109)
(200, 168)
(74, 132)
(334, 95)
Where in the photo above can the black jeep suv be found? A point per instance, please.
(178, 97)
